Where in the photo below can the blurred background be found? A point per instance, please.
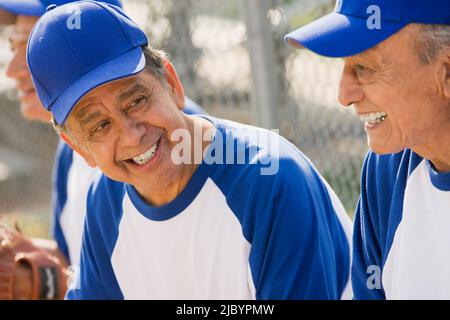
(232, 60)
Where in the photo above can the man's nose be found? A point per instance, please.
(17, 67)
(131, 133)
(350, 91)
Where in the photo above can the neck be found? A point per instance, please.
(164, 194)
(438, 152)
(441, 165)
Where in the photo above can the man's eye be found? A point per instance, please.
(360, 69)
(101, 127)
(139, 102)
(12, 47)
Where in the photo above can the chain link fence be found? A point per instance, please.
(232, 60)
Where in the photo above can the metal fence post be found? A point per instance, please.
(265, 90)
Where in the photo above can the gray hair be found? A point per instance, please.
(430, 42)
(154, 64)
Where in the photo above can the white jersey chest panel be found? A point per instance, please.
(199, 254)
(418, 263)
(72, 217)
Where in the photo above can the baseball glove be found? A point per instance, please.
(28, 272)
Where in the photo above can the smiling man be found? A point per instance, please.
(397, 76)
(26, 278)
(72, 176)
(157, 228)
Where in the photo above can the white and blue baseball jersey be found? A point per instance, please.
(72, 177)
(71, 180)
(401, 230)
(232, 233)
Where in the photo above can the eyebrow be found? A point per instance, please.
(84, 120)
(136, 88)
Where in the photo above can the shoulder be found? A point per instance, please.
(268, 157)
(389, 170)
(105, 198)
(192, 108)
(104, 190)
(104, 211)
(383, 183)
(276, 177)
(63, 151)
(63, 158)
(60, 176)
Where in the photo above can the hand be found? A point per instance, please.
(23, 283)
(21, 263)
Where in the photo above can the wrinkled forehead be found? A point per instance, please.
(397, 46)
(22, 28)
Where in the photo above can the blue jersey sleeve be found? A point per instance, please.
(193, 108)
(63, 163)
(303, 252)
(95, 279)
(378, 213)
(366, 246)
(299, 249)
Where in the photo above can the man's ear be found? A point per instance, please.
(446, 84)
(175, 83)
(86, 156)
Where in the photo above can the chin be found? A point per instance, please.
(382, 149)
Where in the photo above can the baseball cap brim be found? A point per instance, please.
(125, 65)
(337, 35)
(23, 7)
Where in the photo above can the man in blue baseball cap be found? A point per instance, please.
(397, 76)
(26, 279)
(72, 176)
(204, 227)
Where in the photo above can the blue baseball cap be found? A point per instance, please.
(66, 63)
(353, 28)
(37, 7)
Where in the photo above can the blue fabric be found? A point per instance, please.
(66, 63)
(38, 7)
(192, 107)
(63, 162)
(298, 247)
(440, 180)
(378, 214)
(345, 32)
(96, 277)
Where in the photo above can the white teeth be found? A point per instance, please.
(374, 117)
(146, 156)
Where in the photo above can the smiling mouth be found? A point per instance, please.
(146, 156)
(373, 117)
